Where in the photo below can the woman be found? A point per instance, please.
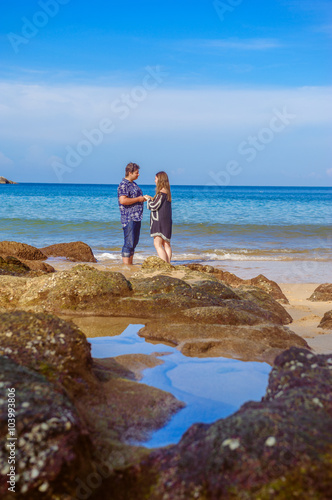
(161, 217)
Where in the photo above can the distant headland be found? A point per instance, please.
(3, 180)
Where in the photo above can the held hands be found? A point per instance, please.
(147, 197)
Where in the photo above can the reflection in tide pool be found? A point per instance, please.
(212, 388)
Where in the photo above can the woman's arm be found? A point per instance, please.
(155, 203)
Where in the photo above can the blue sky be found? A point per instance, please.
(214, 92)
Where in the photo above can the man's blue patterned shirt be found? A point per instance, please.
(134, 211)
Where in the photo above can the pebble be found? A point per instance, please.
(271, 441)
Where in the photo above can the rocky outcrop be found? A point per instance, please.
(326, 321)
(260, 281)
(85, 288)
(262, 342)
(72, 414)
(76, 251)
(209, 309)
(154, 263)
(323, 293)
(21, 251)
(280, 447)
(52, 445)
(15, 267)
(3, 180)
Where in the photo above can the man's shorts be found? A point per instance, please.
(131, 236)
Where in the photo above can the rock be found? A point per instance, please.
(156, 264)
(58, 350)
(21, 251)
(326, 321)
(51, 437)
(14, 267)
(12, 288)
(39, 266)
(76, 251)
(3, 180)
(51, 346)
(279, 447)
(86, 289)
(83, 288)
(265, 301)
(269, 286)
(164, 295)
(261, 342)
(322, 293)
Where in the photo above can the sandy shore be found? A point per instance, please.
(307, 315)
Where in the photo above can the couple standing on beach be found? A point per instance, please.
(131, 200)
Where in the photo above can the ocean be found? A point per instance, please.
(282, 232)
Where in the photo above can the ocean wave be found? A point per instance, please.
(107, 256)
(227, 255)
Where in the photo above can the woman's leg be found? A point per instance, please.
(168, 250)
(159, 246)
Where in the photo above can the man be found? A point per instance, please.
(130, 198)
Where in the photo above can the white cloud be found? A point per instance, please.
(239, 44)
(329, 172)
(39, 113)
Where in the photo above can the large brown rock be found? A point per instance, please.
(154, 263)
(21, 251)
(280, 447)
(166, 295)
(3, 180)
(262, 342)
(326, 321)
(72, 413)
(234, 281)
(15, 267)
(86, 289)
(76, 251)
(323, 293)
(52, 446)
(82, 288)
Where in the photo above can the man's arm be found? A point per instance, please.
(125, 200)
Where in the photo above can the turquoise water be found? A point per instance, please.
(212, 388)
(210, 224)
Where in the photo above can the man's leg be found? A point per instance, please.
(136, 233)
(127, 249)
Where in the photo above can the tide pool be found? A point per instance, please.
(212, 388)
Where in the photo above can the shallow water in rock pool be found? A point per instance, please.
(212, 388)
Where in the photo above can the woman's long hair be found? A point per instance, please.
(163, 182)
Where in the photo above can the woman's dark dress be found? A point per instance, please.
(160, 217)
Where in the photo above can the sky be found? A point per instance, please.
(224, 92)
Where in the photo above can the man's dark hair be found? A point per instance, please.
(131, 167)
